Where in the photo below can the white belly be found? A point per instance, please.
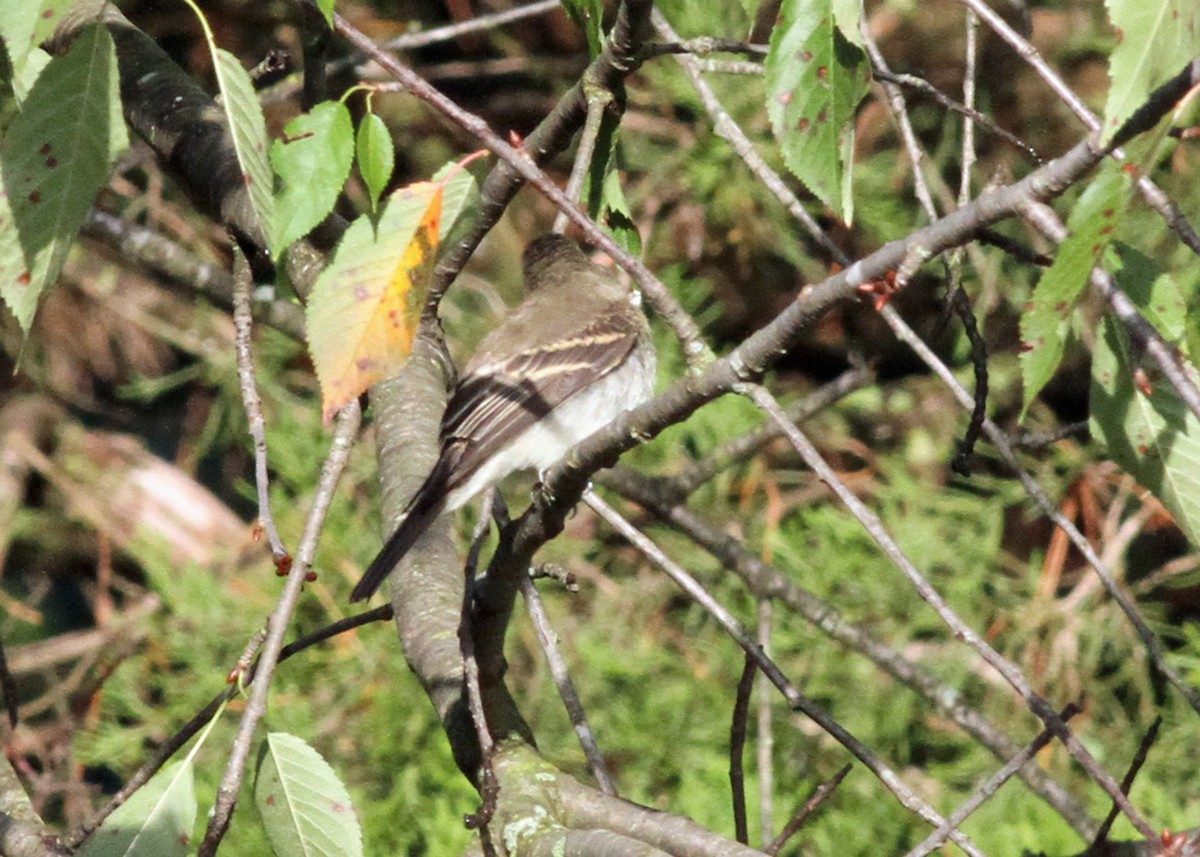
(580, 416)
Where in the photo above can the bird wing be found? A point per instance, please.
(498, 401)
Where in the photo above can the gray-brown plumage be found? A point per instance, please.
(574, 354)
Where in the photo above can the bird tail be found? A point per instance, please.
(426, 506)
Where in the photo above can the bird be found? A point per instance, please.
(571, 357)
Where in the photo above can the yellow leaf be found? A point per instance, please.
(364, 310)
(366, 305)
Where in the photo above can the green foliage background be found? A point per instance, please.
(656, 674)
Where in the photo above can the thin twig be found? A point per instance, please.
(383, 613)
(478, 24)
(765, 739)
(1139, 759)
(704, 46)
(811, 804)
(961, 630)
(990, 787)
(742, 67)
(799, 702)
(961, 305)
(697, 473)
(598, 102)
(898, 106)
(972, 115)
(1152, 193)
(737, 746)
(1014, 248)
(242, 321)
(566, 687)
(489, 786)
(249, 655)
(971, 58)
(682, 324)
(346, 430)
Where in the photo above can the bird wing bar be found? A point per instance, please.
(496, 403)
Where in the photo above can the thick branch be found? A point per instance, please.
(22, 833)
(767, 581)
(749, 360)
(176, 117)
(427, 589)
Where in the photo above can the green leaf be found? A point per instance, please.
(617, 216)
(1046, 319)
(247, 128)
(313, 162)
(589, 15)
(1155, 39)
(847, 14)
(815, 81)
(750, 7)
(157, 821)
(460, 198)
(249, 131)
(326, 7)
(604, 156)
(57, 153)
(376, 156)
(364, 308)
(1154, 437)
(602, 192)
(22, 82)
(304, 806)
(25, 24)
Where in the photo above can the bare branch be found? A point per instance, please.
(1153, 194)
(488, 786)
(973, 116)
(181, 269)
(566, 687)
(252, 404)
(766, 581)
(737, 746)
(346, 430)
(798, 701)
(478, 24)
(934, 840)
(1139, 759)
(819, 795)
(1006, 668)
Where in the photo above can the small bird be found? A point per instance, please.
(573, 355)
